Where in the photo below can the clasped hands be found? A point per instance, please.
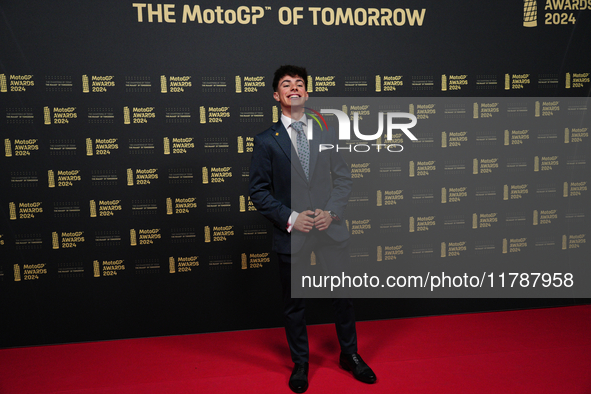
(308, 220)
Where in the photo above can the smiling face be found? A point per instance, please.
(291, 94)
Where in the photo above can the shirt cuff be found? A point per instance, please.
(292, 219)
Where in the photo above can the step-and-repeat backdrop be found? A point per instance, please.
(128, 129)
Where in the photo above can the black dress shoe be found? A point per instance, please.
(298, 381)
(354, 363)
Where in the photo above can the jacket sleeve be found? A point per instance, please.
(262, 190)
(341, 183)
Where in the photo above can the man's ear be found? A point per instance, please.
(276, 96)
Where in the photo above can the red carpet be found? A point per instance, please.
(530, 351)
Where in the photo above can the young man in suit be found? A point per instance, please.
(304, 193)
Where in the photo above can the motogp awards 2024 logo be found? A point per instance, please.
(555, 12)
(530, 13)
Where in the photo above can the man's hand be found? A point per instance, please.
(322, 220)
(304, 222)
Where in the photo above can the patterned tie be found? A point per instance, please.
(303, 147)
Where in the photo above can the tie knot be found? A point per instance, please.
(298, 126)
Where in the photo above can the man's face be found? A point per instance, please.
(291, 91)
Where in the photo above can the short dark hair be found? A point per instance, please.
(292, 71)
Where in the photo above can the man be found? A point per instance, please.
(304, 193)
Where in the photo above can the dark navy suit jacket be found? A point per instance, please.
(279, 186)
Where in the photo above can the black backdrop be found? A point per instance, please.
(64, 291)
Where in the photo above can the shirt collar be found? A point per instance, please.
(287, 122)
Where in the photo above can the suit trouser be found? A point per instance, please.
(330, 253)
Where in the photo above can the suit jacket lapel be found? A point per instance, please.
(283, 139)
(284, 142)
(314, 144)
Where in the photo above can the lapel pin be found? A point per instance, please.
(276, 133)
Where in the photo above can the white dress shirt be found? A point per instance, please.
(293, 136)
